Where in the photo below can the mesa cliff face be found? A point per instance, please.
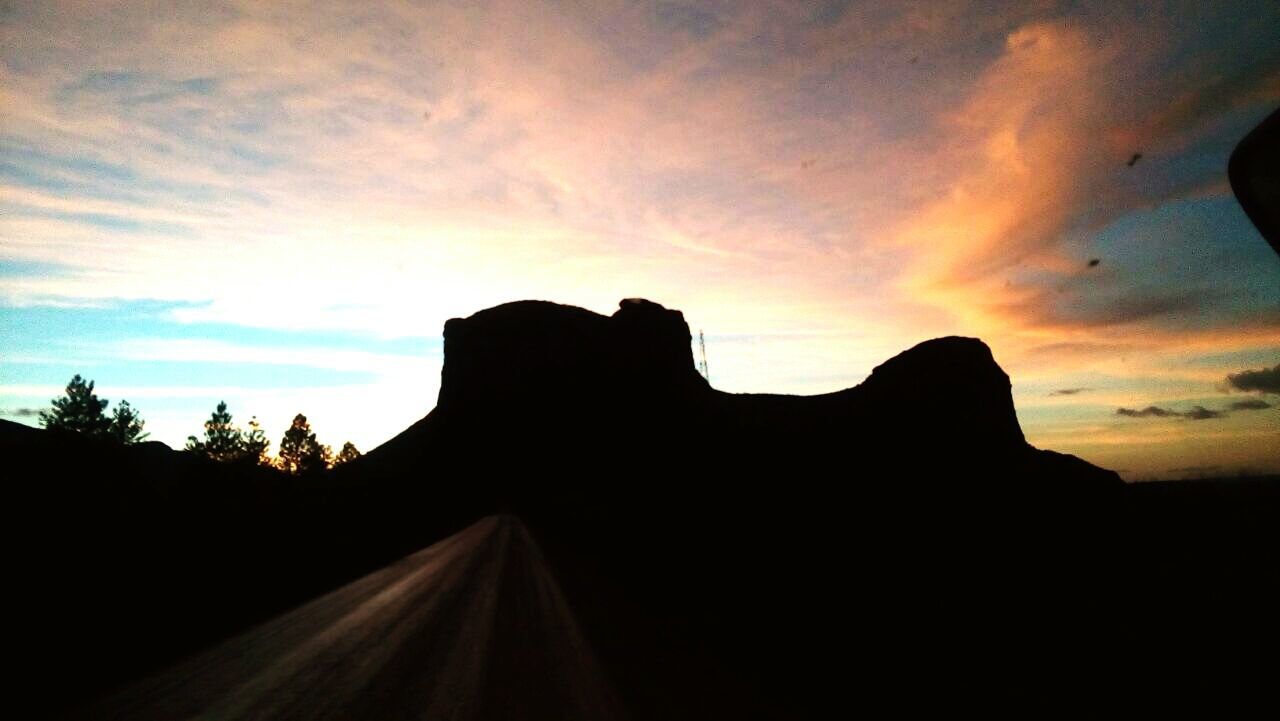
(949, 387)
(534, 375)
(540, 352)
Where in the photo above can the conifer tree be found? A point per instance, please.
(80, 410)
(254, 444)
(300, 452)
(348, 453)
(126, 425)
(222, 440)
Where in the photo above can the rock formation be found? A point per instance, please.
(533, 380)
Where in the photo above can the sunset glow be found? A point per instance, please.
(279, 204)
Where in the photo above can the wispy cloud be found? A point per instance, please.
(1148, 412)
(1200, 413)
(1195, 413)
(1253, 404)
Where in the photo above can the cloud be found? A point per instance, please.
(328, 358)
(1196, 470)
(1069, 391)
(1148, 412)
(1200, 413)
(20, 412)
(1257, 82)
(1266, 380)
(527, 181)
(1253, 404)
(1035, 185)
(1050, 309)
(1197, 413)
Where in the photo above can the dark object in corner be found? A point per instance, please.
(1134, 160)
(1254, 171)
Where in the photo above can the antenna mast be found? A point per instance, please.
(702, 345)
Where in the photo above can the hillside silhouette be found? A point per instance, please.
(717, 554)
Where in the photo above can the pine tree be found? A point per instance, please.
(222, 440)
(348, 453)
(254, 444)
(300, 452)
(80, 410)
(126, 425)
(226, 443)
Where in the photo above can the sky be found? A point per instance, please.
(279, 204)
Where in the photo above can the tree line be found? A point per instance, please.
(80, 410)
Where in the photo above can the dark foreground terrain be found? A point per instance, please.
(412, 640)
(614, 538)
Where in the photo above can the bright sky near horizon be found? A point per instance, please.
(279, 204)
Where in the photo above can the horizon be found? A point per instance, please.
(280, 209)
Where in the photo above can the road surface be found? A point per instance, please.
(473, 627)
